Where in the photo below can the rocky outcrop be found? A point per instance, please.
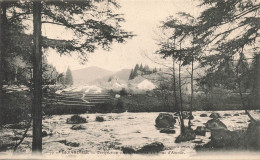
(215, 124)
(214, 115)
(165, 120)
(187, 135)
(76, 119)
(200, 130)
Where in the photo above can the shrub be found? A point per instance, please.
(123, 92)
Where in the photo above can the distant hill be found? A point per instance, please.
(89, 74)
(122, 75)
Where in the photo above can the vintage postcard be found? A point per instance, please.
(129, 79)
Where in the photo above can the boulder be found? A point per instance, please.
(214, 115)
(227, 115)
(100, 119)
(128, 150)
(165, 120)
(187, 135)
(71, 144)
(77, 127)
(215, 124)
(154, 147)
(252, 135)
(168, 131)
(222, 138)
(44, 134)
(203, 115)
(236, 114)
(76, 119)
(200, 130)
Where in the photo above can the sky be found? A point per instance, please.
(143, 17)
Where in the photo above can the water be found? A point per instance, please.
(124, 129)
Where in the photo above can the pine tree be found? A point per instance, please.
(131, 75)
(135, 73)
(141, 67)
(68, 78)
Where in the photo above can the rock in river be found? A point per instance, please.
(77, 127)
(253, 135)
(214, 115)
(200, 130)
(165, 120)
(168, 131)
(100, 119)
(215, 124)
(76, 119)
(187, 135)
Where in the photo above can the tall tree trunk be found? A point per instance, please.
(3, 22)
(191, 86)
(239, 86)
(179, 110)
(37, 79)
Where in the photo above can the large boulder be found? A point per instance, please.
(200, 130)
(215, 124)
(214, 115)
(222, 138)
(253, 136)
(76, 119)
(187, 135)
(165, 120)
(154, 147)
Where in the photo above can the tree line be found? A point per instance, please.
(141, 70)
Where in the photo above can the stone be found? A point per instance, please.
(187, 135)
(77, 127)
(76, 119)
(215, 124)
(154, 147)
(222, 138)
(128, 150)
(227, 115)
(200, 130)
(100, 119)
(214, 115)
(236, 114)
(44, 134)
(71, 144)
(252, 136)
(165, 120)
(168, 131)
(203, 115)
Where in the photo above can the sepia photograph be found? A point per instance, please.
(130, 79)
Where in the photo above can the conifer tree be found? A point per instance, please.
(68, 78)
